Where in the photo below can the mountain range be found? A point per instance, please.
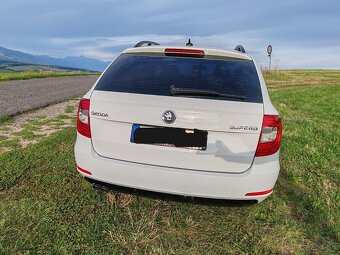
(80, 62)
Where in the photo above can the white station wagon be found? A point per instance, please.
(181, 120)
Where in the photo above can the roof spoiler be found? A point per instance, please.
(240, 48)
(148, 43)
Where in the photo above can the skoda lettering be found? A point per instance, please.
(100, 114)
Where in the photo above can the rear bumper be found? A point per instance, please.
(260, 177)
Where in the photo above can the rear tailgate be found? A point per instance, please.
(135, 89)
(231, 143)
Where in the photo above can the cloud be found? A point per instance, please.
(284, 56)
(303, 33)
(102, 47)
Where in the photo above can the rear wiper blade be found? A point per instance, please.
(201, 92)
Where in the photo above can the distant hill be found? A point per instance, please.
(78, 63)
(7, 66)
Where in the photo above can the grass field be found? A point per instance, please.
(32, 75)
(47, 208)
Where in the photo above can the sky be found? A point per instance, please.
(303, 34)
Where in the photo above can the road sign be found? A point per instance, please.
(269, 50)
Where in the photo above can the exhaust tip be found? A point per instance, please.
(100, 187)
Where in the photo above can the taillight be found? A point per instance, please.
(191, 53)
(270, 137)
(83, 119)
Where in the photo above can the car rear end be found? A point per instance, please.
(187, 121)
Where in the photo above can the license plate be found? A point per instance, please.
(171, 137)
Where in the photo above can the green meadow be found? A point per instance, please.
(46, 207)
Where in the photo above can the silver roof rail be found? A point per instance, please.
(240, 48)
(148, 43)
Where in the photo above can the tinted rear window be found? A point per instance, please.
(154, 75)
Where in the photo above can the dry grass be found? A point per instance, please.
(284, 79)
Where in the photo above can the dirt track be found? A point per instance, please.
(19, 96)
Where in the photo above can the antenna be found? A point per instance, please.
(189, 43)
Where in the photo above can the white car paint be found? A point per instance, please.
(227, 169)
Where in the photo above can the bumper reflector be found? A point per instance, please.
(259, 193)
(83, 170)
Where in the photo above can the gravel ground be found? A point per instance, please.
(47, 120)
(19, 96)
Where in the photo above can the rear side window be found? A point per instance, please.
(154, 75)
